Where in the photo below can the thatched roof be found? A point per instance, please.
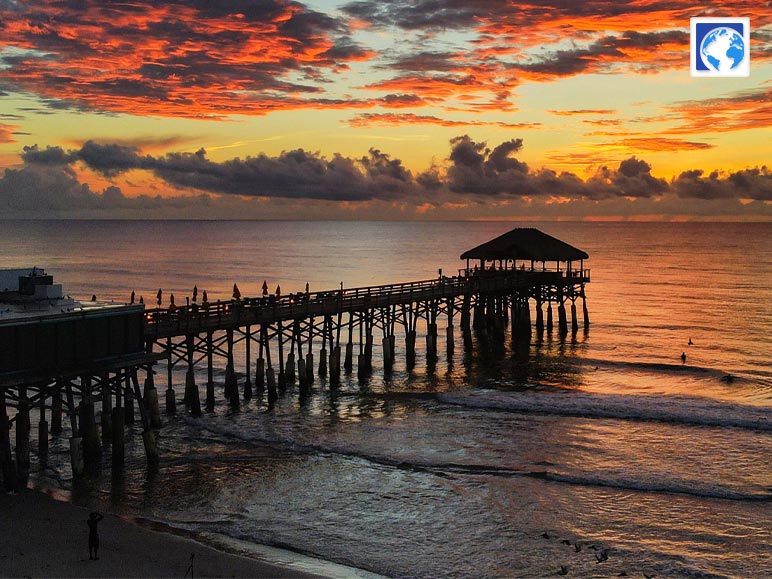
(525, 243)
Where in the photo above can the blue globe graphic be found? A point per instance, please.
(722, 49)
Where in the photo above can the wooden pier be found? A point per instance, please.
(283, 342)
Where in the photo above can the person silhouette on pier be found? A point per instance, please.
(93, 535)
(683, 357)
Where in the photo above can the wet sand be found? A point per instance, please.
(42, 537)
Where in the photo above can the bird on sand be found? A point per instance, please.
(602, 556)
(563, 570)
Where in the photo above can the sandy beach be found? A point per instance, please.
(42, 537)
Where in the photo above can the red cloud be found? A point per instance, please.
(172, 58)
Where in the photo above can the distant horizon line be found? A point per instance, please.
(619, 219)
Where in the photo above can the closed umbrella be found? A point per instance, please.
(195, 293)
(265, 288)
(158, 296)
(278, 291)
(236, 292)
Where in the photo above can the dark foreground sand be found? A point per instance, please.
(41, 537)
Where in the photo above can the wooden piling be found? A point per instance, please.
(562, 321)
(42, 424)
(7, 466)
(335, 366)
(585, 313)
(549, 317)
(410, 337)
(118, 438)
(539, 319)
(76, 456)
(171, 404)
(192, 397)
(231, 384)
(387, 362)
(22, 437)
(71, 411)
(128, 402)
(260, 374)
(107, 408)
(574, 319)
(148, 436)
(209, 373)
(56, 408)
(289, 370)
(92, 448)
(248, 364)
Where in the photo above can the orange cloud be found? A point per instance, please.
(746, 110)
(8, 132)
(394, 119)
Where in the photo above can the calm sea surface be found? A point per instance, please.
(606, 439)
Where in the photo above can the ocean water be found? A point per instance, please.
(488, 464)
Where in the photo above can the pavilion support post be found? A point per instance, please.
(247, 367)
(525, 317)
(539, 319)
(56, 408)
(210, 401)
(7, 466)
(585, 313)
(231, 384)
(574, 319)
(192, 397)
(466, 313)
(562, 320)
(550, 325)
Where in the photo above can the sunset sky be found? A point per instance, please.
(422, 109)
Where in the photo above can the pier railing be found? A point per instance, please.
(168, 322)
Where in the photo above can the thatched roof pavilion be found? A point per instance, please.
(525, 244)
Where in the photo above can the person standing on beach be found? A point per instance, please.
(93, 535)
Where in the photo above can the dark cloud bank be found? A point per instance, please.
(473, 172)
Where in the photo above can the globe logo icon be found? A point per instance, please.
(722, 49)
